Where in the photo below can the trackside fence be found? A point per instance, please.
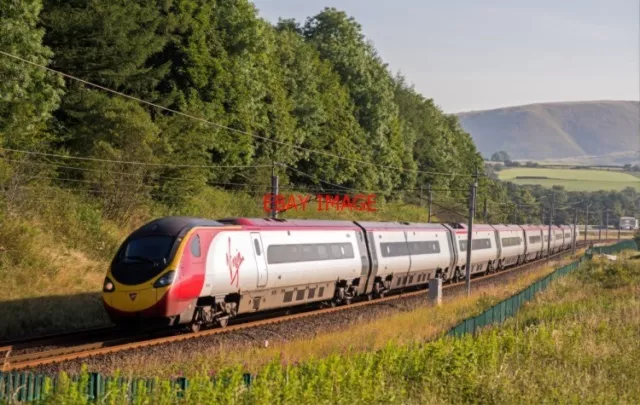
(18, 387)
(508, 307)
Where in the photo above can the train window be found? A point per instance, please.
(514, 241)
(534, 239)
(394, 249)
(424, 248)
(336, 252)
(195, 246)
(476, 244)
(309, 252)
(323, 253)
(257, 246)
(152, 248)
(348, 250)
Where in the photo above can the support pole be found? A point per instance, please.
(430, 200)
(575, 226)
(619, 229)
(486, 211)
(600, 228)
(586, 225)
(606, 226)
(553, 201)
(274, 191)
(472, 208)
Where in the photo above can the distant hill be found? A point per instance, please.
(587, 132)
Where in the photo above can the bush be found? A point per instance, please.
(612, 275)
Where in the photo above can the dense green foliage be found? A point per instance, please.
(314, 97)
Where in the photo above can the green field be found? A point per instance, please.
(571, 179)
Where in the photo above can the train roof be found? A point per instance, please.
(172, 226)
(459, 228)
(531, 227)
(287, 223)
(403, 226)
(506, 227)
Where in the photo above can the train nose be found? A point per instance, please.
(133, 301)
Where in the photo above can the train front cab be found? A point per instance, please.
(158, 273)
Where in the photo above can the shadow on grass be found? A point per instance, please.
(32, 317)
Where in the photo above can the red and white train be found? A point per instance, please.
(195, 272)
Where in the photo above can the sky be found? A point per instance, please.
(478, 55)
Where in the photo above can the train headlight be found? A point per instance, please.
(165, 280)
(108, 285)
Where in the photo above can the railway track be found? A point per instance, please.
(53, 339)
(117, 342)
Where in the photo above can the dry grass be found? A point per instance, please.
(402, 328)
(60, 291)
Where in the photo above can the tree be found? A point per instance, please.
(28, 94)
(106, 42)
(113, 130)
(324, 115)
(500, 156)
(339, 39)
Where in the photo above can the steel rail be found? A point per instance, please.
(150, 339)
(43, 340)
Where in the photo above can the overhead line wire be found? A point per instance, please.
(133, 162)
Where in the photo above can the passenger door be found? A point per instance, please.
(261, 259)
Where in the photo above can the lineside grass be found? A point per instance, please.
(402, 328)
(577, 343)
